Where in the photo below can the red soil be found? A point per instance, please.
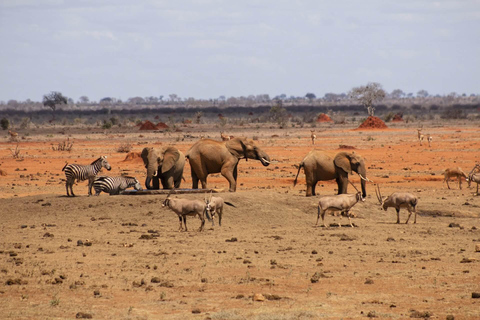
(324, 118)
(373, 123)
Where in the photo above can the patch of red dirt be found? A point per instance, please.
(324, 118)
(162, 125)
(147, 125)
(373, 123)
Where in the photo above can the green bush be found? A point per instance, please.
(107, 125)
(5, 123)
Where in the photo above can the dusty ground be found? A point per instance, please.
(135, 265)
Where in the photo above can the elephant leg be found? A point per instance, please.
(194, 179)
(167, 182)
(230, 176)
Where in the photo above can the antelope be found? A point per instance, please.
(474, 177)
(420, 135)
(224, 136)
(340, 202)
(215, 206)
(452, 173)
(186, 207)
(13, 134)
(398, 200)
(313, 136)
(429, 139)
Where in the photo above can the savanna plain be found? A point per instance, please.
(122, 257)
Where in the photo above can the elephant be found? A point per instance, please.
(165, 165)
(318, 166)
(208, 156)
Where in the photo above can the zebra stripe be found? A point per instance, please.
(83, 172)
(115, 185)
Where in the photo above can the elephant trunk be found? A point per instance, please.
(363, 183)
(148, 180)
(151, 172)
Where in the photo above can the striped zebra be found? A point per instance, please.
(115, 185)
(81, 172)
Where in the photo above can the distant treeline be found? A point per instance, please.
(233, 110)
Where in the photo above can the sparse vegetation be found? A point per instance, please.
(5, 123)
(124, 148)
(65, 145)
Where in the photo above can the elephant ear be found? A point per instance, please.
(237, 147)
(144, 155)
(342, 160)
(170, 157)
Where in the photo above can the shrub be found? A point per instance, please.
(125, 147)
(5, 123)
(107, 125)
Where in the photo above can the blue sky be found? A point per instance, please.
(209, 48)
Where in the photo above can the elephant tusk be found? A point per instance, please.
(265, 160)
(155, 173)
(366, 179)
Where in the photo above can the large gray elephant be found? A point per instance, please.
(209, 156)
(165, 165)
(318, 166)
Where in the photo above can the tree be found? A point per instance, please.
(84, 99)
(53, 99)
(397, 94)
(367, 95)
(310, 96)
(422, 94)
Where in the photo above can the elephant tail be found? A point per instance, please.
(298, 172)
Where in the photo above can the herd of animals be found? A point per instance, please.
(208, 156)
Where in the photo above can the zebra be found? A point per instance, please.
(81, 172)
(115, 185)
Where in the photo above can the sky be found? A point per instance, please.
(210, 48)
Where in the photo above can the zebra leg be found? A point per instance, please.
(90, 185)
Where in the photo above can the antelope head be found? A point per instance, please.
(381, 199)
(358, 194)
(167, 199)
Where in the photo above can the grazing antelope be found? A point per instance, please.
(340, 202)
(420, 135)
(313, 136)
(474, 177)
(224, 136)
(454, 173)
(215, 206)
(186, 207)
(399, 200)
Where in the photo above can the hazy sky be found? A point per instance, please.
(208, 48)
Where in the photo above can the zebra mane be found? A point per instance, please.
(99, 159)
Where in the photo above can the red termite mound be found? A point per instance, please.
(147, 125)
(397, 118)
(131, 156)
(162, 125)
(373, 123)
(324, 118)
